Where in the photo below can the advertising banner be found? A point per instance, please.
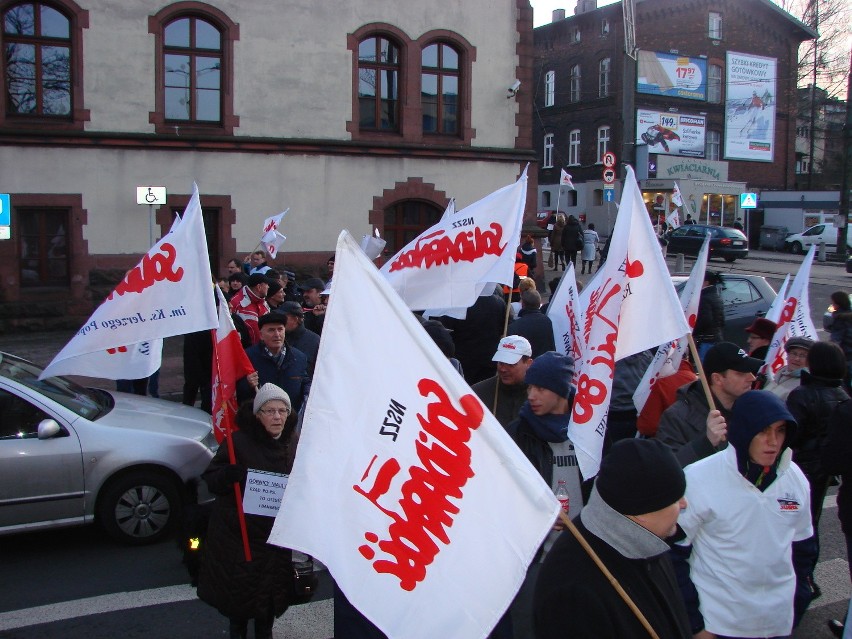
(673, 75)
(671, 133)
(750, 107)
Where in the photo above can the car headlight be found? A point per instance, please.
(210, 441)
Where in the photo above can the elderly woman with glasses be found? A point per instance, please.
(262, 588)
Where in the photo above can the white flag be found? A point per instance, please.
(677, 198)
(449, 264)
(629, 306)
(270, 226)
(424, 510)
(794, 320)
(566, 316)
(134, 361)
(565, 179)
(276, 241)
(167, 293)
(774, 312)
(673, 219)
(373, 245)
(669, 355)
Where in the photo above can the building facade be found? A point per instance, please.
(359, 116)
(710, 85)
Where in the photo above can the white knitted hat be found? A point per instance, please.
(267, 393)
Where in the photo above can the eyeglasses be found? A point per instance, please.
(272, 412)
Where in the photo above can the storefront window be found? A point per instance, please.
(722, 208)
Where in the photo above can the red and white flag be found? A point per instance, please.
(677, 198)
(270, 226)
(449, 264)
(565, 179)
(669, 355)
(773, 314)
(275, 243)
(629, 306)
(167, 293)
(407, 487)
(673, 219)
(795, 319)
(566, 316)
(230, 363)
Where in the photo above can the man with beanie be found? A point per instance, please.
(513, 357)
(541, 430)
(688, 426)
(746, 505)
(633, 507)
(789, 376)
(250, 304)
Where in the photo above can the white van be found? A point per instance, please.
(817, 234)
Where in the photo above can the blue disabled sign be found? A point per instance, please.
(748, 200)
(5, 210)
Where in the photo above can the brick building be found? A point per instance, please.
(359, 116)
(709, 96)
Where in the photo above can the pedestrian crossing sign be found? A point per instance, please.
(748, 200)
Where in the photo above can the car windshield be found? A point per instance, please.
(85, 402)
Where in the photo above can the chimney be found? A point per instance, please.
(584, 6)
(558, 14)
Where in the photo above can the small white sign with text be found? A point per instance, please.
(264, 491)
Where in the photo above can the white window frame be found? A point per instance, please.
(604, 133)
(574, 147)
(575, 36)
(549, 88)
(603, 77)
(714, 84)
(714, 25)
(713, 145)
(547, 158)
(575, 80)
(604, 27)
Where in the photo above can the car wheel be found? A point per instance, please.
(140, 507)
(796, 248)
(730, 259)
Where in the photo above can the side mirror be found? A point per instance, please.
(48, 428)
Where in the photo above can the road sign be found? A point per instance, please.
(151, 195)
(609, 176)
(5, 210)
(609, 194)
(609, 187)
(609, 159)
(5, 232)
(748, 200)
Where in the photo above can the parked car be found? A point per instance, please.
(744, 297)
(71, 455)
(727, 243)
(800, 242)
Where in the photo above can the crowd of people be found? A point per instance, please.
(704, 498)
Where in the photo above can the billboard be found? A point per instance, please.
(750, 107)
(672, 75)
(671, 133)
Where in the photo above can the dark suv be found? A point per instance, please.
(725, 242)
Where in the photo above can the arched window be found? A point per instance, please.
(549, 88)
(42, 68)
(406, 220)
(574, 84)
(194, 69)
(439, 89)
(378, 84)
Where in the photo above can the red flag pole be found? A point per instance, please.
(232, 457)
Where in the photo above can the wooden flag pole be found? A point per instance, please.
(238, 494)
(700, 369)
(610, 577)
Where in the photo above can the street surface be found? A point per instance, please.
(78, 584)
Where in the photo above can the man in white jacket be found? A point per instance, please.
(746, 506)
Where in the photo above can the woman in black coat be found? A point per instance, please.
(260, 589)
(710, 319)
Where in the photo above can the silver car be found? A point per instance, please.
(71, 455)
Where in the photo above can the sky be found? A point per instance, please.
(543, 9)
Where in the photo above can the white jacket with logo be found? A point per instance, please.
(741, 538)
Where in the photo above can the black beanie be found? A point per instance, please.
(640, 476)
(553, 371)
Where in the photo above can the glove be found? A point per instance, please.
(235, 473)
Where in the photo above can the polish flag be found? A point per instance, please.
(230, 363)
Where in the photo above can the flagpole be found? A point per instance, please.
(610, 577)
(700, 369)
(505, 330)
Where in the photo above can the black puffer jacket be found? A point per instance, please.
(837, 459)
(812, 403)
(227, 582)
(710, 318)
